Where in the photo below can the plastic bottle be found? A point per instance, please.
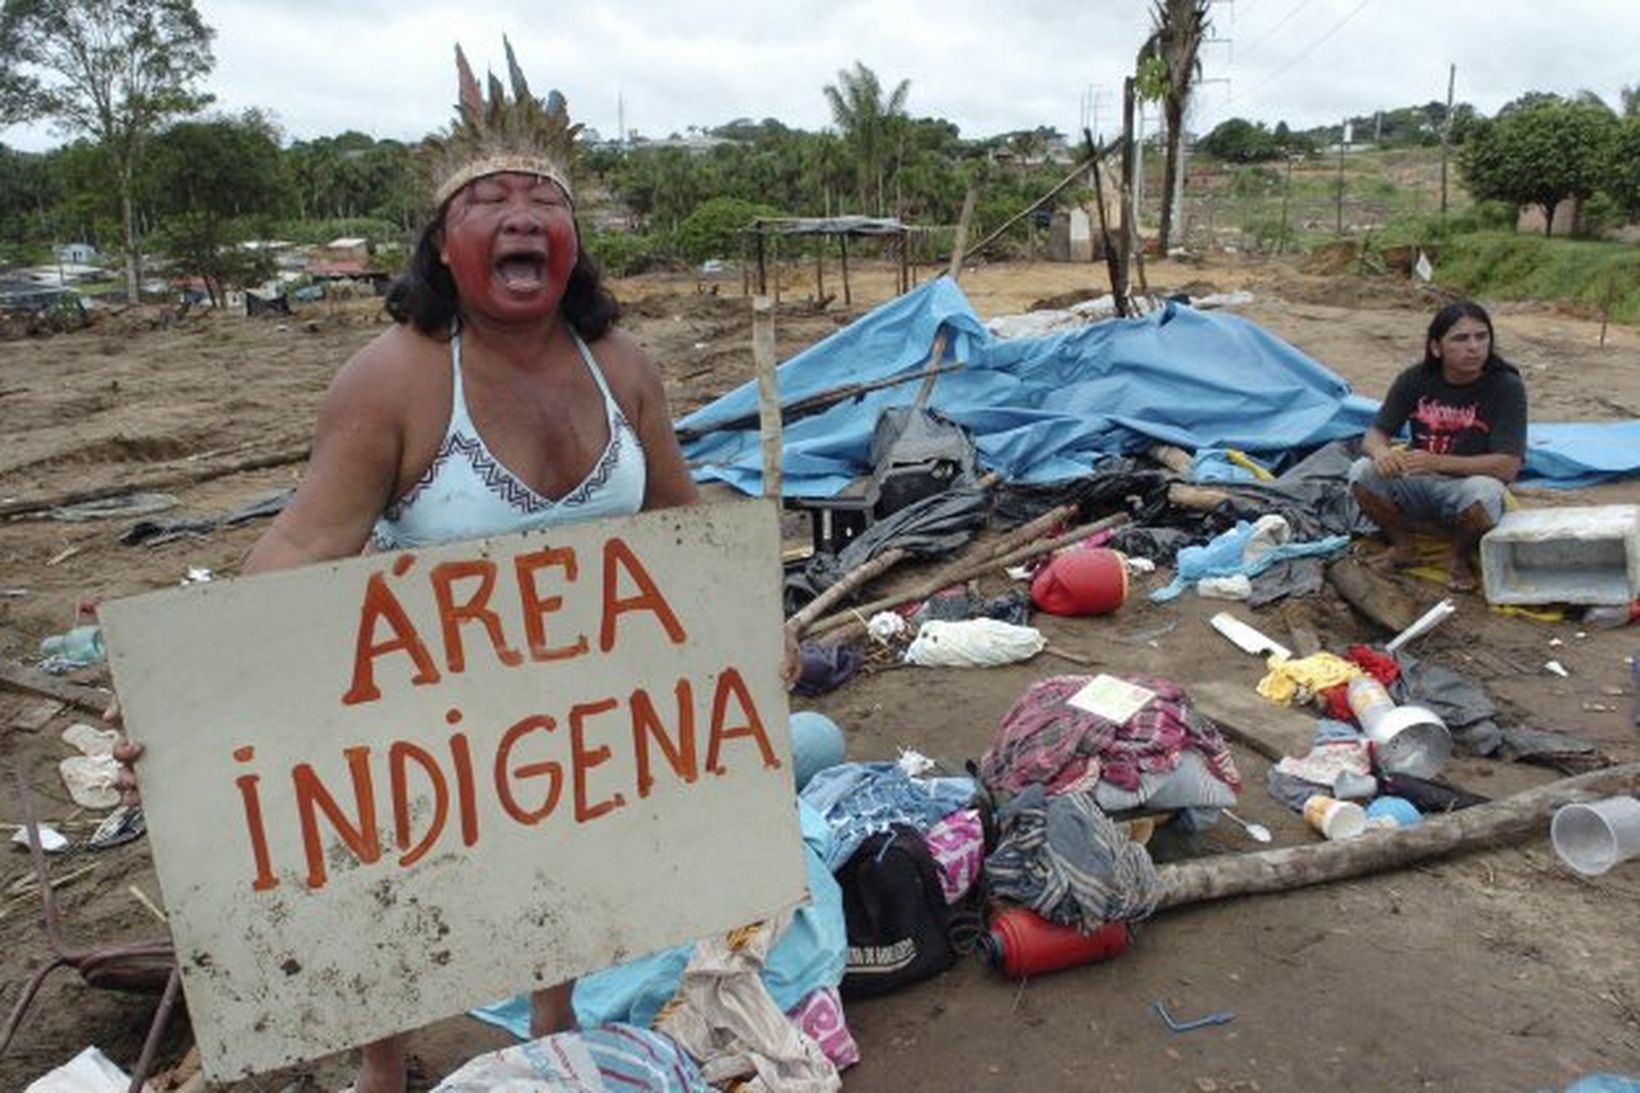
(1612, 616)
(80, 646)
(1022, 942)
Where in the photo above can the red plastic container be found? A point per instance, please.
(1022, 942)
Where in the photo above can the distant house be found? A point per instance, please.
(1568, 217)
(77, 253)
(348, 246)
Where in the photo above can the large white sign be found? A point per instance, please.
(386, 789)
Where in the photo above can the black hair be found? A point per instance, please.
(425, 296)
(1447, 318)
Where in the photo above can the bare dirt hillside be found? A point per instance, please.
(1494, 970)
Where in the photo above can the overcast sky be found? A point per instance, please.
(385, 66)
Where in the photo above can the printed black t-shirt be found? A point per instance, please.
(1477, 418)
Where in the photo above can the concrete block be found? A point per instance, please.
(1580, 555)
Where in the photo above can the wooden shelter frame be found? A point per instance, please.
(843, 227)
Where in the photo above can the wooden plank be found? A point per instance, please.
(20, 677)
(1253, 721)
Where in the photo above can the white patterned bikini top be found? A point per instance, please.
(466, 493)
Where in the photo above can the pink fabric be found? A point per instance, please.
(820, 1016)
(958, 846)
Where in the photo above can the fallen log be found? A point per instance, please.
(165, 480)
(1373, 594)
(1299, 866)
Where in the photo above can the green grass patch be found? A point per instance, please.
(1504, 265)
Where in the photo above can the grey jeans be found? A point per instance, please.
(1431, 500)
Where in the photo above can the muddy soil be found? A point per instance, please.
(1490, 970)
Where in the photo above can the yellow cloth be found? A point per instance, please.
(1291, 680)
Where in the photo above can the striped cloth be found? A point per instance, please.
(1067, 861)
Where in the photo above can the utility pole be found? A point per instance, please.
(1343, 142)
(620, 118)
(1446, 130)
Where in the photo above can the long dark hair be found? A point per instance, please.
(425, 297)
(1447, 318)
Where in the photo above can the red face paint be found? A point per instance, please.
(509, 242)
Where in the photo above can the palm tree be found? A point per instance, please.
(1168, 69)
(867, 122)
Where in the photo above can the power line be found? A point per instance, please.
(1279, 23)
(1309, 49)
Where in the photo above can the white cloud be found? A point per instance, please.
(386, 68)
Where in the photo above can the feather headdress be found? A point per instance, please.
(523, 133)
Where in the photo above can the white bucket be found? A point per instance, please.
(1593, 837)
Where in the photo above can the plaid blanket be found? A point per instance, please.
(1045, 741)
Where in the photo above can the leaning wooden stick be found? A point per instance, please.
(1299, 866)
(848, 625)
(1025, 533)
(768, 393)
(850, 581)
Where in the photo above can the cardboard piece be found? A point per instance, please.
(385, 789)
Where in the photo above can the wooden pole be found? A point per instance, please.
(1446, 130)
(1130, 229)
(762, 263)
(776, 256)
(848, 296)
(768, 392)
(960, 243)
(905, 261)
(820, 272)
(1106, 243)
(1343, 130)
(1298, 866)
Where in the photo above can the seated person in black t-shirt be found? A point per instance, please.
(1466, 408)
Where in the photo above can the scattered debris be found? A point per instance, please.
(1222, 1017)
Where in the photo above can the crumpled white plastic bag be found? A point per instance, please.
(973, 643)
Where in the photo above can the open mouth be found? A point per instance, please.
(522, 272)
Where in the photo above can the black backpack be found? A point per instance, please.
(899, 925)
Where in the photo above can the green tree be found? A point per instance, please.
(1623, 178)
(1169, 66)
(27, 190)
(115, 70)
(714, 229)
(1539, 150)
(868, 121)
(1241, 141)
(213, 182)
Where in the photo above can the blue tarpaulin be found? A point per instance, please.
(1046, 408)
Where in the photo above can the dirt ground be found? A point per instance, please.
(1492, 970)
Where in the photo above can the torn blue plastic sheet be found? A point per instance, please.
(1045, 408)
